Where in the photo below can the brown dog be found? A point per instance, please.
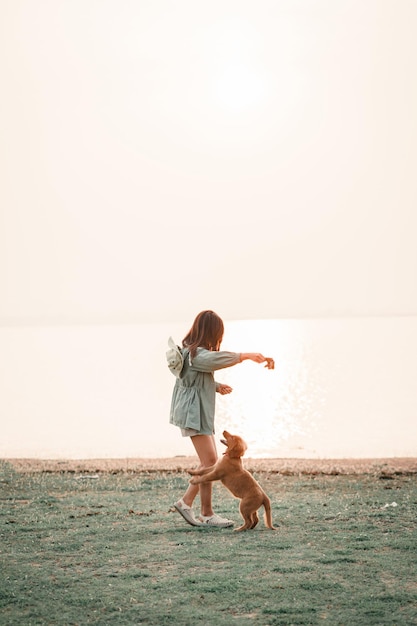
(229, 469)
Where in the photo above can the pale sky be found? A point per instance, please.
(160, 157)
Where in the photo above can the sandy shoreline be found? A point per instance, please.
(384, 467)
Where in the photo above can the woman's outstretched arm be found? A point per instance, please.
(258, 358)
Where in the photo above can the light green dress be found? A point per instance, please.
(194, 395)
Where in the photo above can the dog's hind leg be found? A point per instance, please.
(255, 519)
(248, 518)
(267, 513)
(245, 526)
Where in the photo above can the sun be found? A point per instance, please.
(235, 66)
(239, 86)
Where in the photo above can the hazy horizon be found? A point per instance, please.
(341, 388)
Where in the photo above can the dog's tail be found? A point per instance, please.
(267, 513)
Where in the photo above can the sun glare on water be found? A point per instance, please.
(267, 407)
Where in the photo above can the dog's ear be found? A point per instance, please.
(241, 446)
(237, 447)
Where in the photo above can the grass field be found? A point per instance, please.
(109, 549)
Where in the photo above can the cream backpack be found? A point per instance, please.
(174, 358)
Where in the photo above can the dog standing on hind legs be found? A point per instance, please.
(229, 469)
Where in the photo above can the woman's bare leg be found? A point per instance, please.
(205, 447)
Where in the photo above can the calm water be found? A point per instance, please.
(341, 388)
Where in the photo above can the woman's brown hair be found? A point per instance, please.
(206, 332)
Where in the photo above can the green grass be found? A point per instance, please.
(111, 551)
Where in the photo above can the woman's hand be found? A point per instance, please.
(223, 389)
(258, 358)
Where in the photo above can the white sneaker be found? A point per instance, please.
(187, 513)
(215, 521)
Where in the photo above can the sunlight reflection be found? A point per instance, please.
(269, 407)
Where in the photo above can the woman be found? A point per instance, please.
(193, 405)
